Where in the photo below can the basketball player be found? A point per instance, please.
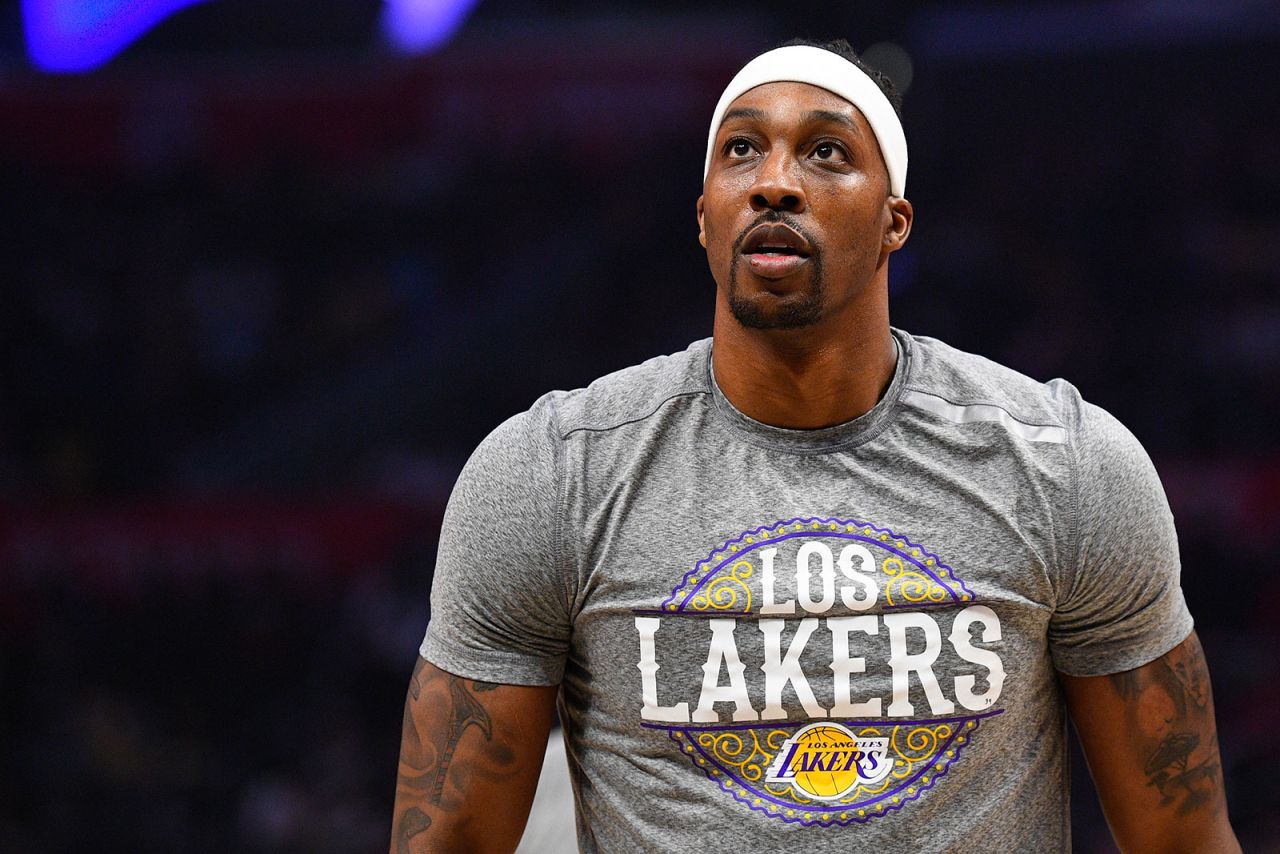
(815, 583)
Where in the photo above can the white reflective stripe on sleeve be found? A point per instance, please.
(984, 412)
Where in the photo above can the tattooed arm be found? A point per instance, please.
(1152, 747)
(470, 755)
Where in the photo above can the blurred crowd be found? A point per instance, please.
(207, 712)
(291, 325)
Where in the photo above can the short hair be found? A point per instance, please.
(844, 50)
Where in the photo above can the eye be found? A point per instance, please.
(829, 151)
(740, 147)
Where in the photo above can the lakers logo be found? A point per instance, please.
(826, 761)
(850, 751)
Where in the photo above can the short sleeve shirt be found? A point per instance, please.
(841, 639)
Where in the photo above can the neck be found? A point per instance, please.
(804, 378)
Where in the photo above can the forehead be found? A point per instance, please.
(788, 102)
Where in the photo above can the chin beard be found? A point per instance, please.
(804, 309)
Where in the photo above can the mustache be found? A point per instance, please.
(772, 216)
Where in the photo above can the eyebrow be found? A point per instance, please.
(743, 113)
(832, 116)
(811, 116)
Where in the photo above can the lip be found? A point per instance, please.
(775, 266)
(774, 235)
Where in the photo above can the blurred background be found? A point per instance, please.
(270, 269)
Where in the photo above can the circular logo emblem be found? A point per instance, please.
(826, 760)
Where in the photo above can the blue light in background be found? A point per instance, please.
(80, 35)
(421, 26)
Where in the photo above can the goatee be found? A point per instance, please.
(804, 309)
(799, 311)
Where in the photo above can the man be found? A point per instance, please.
(814, 583)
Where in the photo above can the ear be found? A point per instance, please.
(899, 215)
(702, 232)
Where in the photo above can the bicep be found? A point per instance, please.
(467, 745)
(1152, 745)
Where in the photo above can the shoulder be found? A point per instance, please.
(626, 396)
(526, 453)
(1106, 459)
(963, 387)
(622, 397)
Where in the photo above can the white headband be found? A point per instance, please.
(830, 71)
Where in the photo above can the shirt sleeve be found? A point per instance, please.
(500, 601)
(1124, 606)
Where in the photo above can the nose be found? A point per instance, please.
(777, 185)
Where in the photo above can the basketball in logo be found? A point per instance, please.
(826, 761)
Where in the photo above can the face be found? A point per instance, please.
(796, 215)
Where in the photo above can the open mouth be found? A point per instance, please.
(768, 250)
(775, 251)
(774, 240)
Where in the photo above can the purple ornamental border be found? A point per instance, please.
(840, 534)
(745, 787)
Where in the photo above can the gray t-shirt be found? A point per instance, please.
(817, 640)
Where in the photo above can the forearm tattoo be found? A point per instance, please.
(433, 726)
(1169, 707)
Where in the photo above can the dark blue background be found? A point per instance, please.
(265, 285)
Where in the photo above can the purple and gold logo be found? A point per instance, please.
(825, 761)
(873, 665)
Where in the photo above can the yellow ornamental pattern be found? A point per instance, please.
(921, 752)
(727, 580)
(727, 591)
(911, 586)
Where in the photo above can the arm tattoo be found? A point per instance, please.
(449, 710)
(1169, 708)
(415, 682)
(412, 822)
(467, 711)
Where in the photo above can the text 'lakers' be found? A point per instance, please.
(870, 662)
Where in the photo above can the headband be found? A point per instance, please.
(830, 71)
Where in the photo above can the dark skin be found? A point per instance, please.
(466, 746)
(810, 156)
(805, 349)
(1152, 746)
